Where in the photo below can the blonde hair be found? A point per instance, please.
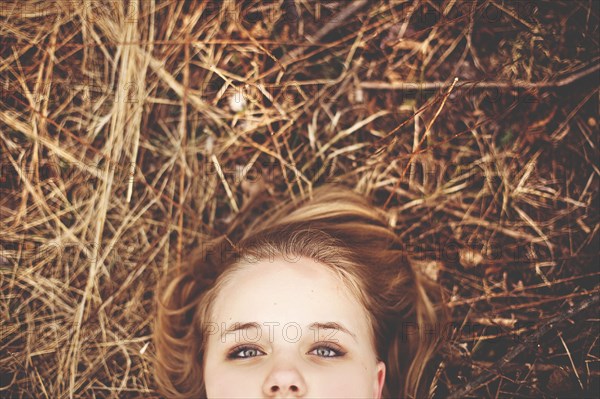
(338, 228)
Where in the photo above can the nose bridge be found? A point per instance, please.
(285, 378)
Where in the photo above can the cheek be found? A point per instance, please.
(343, 382)
(230, 382)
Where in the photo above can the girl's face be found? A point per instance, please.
(310, 338)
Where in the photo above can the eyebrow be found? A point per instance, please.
(237, 326)
(330, 325)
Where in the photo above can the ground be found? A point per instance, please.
(130, 132)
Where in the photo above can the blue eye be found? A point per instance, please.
(325, 348)
(250, 351)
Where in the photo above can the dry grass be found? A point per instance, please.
(132, 131)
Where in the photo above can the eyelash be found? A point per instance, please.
(232, 354)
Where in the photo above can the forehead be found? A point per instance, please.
(300, 290)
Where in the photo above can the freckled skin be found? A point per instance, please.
(291, 363)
